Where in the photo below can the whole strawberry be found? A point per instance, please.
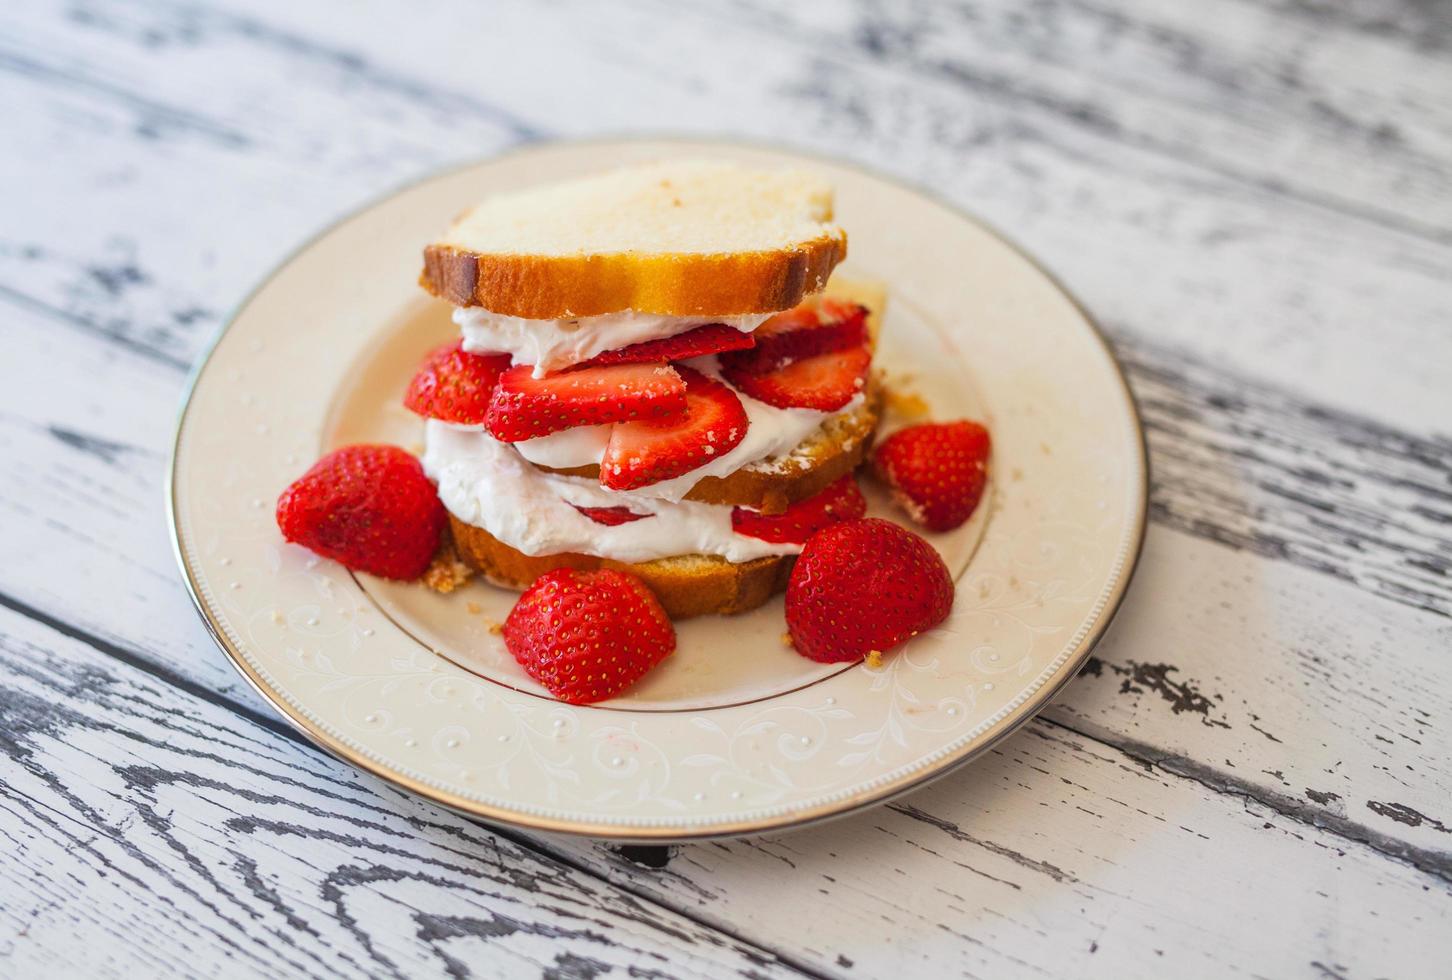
(369, 507)
(455, 385)
(937, 472)
(864, 585)
(587, 636)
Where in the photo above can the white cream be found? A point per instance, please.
(583, 445)
(553, 344)
(771, 432)
(487, 484)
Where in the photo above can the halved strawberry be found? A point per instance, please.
(455, 385)
(841, 501)
(524, 406)
(587, 636)
(804, 331)
(610, 516)
(650, 450)
(937, 471)
(864, 585)
(713, 338)
(825, 382)
(370, 507)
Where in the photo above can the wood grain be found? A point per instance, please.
(1252, 196)
(1254, 467)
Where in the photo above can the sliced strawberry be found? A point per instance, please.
(841, 501)
(455, 385)
(610, 516)
(805, 331)
(524, 406)
(650, 450)
(713, 338)
(825, 382)
(803, 317)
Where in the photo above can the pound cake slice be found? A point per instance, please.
(681, 238)
(687, 585)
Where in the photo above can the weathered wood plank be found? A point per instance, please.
(1254, 467)
(1218, 85)
(152, 832)
(1260, 678)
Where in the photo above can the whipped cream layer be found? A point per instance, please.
(554, 344)
(487, 484)
(771, 432)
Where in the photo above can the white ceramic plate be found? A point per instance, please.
(735, 733)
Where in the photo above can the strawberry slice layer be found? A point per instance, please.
(713, 338)
(841, 501)
(524, 407)
(825, 382)
(610, 516)
(802, 332)
(455, 385)
(651, 450)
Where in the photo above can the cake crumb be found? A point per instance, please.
(277, 617)
(495, 627)
(447, 572)
(786, 641)
(473, 607)
(874, 659)
(907, 404)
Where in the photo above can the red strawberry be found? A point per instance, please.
(841, 501)
(937, 472)
(805, 331)
(713, 338)
(524, 406)
(610, 516)
(455, 385)
(861, 586)
(651, 450)
(369, 507)
(587, 636)
(825, 382)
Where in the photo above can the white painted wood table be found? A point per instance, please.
(1252, 777)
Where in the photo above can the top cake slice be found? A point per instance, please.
(678, 238)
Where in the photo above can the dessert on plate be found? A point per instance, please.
(656, 408)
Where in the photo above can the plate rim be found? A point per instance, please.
(808, 816)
